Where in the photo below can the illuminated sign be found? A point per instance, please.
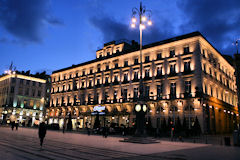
(98, 110)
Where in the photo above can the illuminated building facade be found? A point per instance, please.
(184, 77)
(22, 96)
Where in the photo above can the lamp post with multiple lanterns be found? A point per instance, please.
(141, 107)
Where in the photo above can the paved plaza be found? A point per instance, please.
(24, 144)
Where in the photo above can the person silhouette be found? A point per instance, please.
(42, 132)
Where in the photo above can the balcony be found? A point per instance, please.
(171, 74)
(115, 83)
(159, 76)
(187, 71)
(172, 96)
(135, 80)
(147, 78)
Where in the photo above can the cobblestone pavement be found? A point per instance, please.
(24, 144)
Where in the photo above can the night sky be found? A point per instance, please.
(40, 35)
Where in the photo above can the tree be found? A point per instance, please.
(178, 126)
(196, 127)
(69, 125)
(97, 122)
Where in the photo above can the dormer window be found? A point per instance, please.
(99, 69)
(125, 63)
(107, 67)
(159, 56)
(146, 58)
(136, 61)
(91, 71)
(83, 73)
(116, 65)
(108, 53)
(186, 50)
(172, 53)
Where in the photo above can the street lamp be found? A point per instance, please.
(141, 108)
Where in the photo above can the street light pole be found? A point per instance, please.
(141, 107)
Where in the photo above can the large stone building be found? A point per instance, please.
(23, 97)
(184, 77)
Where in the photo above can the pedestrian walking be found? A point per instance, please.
(12, 120)
(16, 125)
(42, 132)
(13, 124)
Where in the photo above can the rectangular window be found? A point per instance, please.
(115, 78)
(83, 73)
(27, 91)
(28, 82)
(135, 75)
(187, 66)
(33, 83)
(159, 56)
(106, 80)
(76, 74)
(136, 61)
(33, 92)
(99, 69)
(39, 93)
(90, 83)
(147, 73)
(12, 89)
(159, 71)
(91, 71)
(172, 68)
(147, 91)
(135, 94)
(146, 58)
(172, 53)
(125, 63)
(187, 86)
(159, 90)
(40, 84)
(115, 94)
(125, 93)
(186, 50)
(173, 90)
(107, 67)
(21, 81)
(98, 81)
(125, 78)
(13, 80)
(116, 65)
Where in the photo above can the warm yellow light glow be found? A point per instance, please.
(142, 26)
(134, 20)
(144, 18)
(133, 25)
(149, 22)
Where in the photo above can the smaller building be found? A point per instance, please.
(23, 97)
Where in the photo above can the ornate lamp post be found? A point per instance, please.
(141, 108)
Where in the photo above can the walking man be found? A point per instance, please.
(42, 132)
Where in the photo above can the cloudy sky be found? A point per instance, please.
(52, 34)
